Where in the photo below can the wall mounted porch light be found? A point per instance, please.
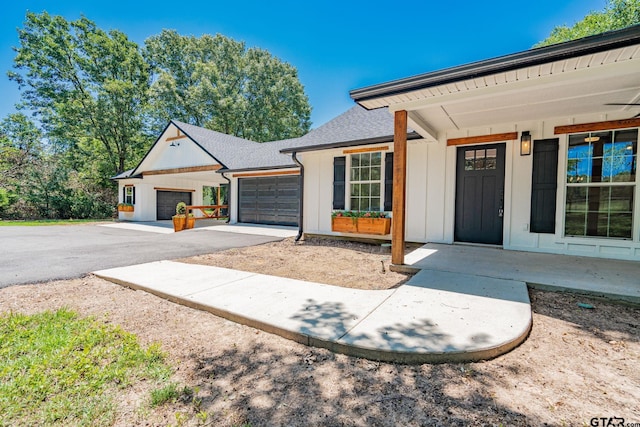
(525, 143)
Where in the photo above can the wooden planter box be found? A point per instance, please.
(344, 224)
(125, 208)
(190, 222)
(379, 226)
(179, 222)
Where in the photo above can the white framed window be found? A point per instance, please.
(601, 184)
(129, 197)
(366, 181)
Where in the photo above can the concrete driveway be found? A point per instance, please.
(39, 254)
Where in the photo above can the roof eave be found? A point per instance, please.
(344, 144)
(537, 56)
(257, 168)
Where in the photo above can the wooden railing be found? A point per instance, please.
(209, 211)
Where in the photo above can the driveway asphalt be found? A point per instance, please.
(40, 254)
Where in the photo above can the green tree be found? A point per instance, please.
(616, 15)
(217, 83)
(88, 87)
(20, 154)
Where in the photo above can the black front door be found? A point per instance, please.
(480, 194)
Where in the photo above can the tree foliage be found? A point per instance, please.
(40, 183)
(99, 100)
(616, 15)
(88, 87)
(217, 83)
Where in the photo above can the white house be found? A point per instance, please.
(195, 165)
(534, 151)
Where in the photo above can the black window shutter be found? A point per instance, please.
(544, 186)
(388, 182)
(133, 195)
(339, 172)
(124, 194)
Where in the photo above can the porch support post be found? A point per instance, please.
(399, 186)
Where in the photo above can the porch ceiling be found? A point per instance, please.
(566, 88)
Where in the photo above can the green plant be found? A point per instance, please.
(168, 393)
(358, 214)
(121, 205)
(181, 208)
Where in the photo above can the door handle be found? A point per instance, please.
(500, 212)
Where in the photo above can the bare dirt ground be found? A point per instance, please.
(577, 363)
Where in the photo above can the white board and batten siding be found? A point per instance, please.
(431, 192)
(184, 153)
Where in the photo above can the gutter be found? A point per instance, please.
(301, 207)
(588, 45)
(255, 169)
(229, 197)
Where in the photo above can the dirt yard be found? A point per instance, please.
(577, 363)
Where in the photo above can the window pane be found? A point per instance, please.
(365, 189)
(480, 155)
(620, 225)
(375, 189)
(375, 204)
(469, 160)
(365, 159)
(574, 224)
(579, 158)
(576, 199)
(355, 174)
(355, 160)
(621, 199)
(355, 204)
(355, 189)
(375, 174)
(490, 163)
(365, 174)
(376, 158)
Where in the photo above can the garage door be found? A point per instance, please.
(269, 200)
(167, 201)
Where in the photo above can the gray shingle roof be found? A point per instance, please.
(237, 153)
(356, 124)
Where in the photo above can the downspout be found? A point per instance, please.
(301, 213)
(228, 197)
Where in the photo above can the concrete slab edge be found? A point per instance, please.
(607, 296)
(407, 358)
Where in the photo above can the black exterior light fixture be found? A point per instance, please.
(525, 143)
(174, 144)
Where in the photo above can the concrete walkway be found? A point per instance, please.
(613, 279)
(435, 317)
(166, 227)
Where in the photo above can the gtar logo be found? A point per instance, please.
(607, 422)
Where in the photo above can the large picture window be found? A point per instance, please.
(366, 181)
(601, 179)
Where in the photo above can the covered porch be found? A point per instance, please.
(615, 279)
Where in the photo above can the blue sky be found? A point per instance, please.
(336, 46)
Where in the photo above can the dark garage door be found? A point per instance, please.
(272, 200)
(167, 201)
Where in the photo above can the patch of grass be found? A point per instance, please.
(40, 222)
(168, 393)
(59, 369)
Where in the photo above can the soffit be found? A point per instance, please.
(569, 87)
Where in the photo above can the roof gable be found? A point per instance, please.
(173, 150)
